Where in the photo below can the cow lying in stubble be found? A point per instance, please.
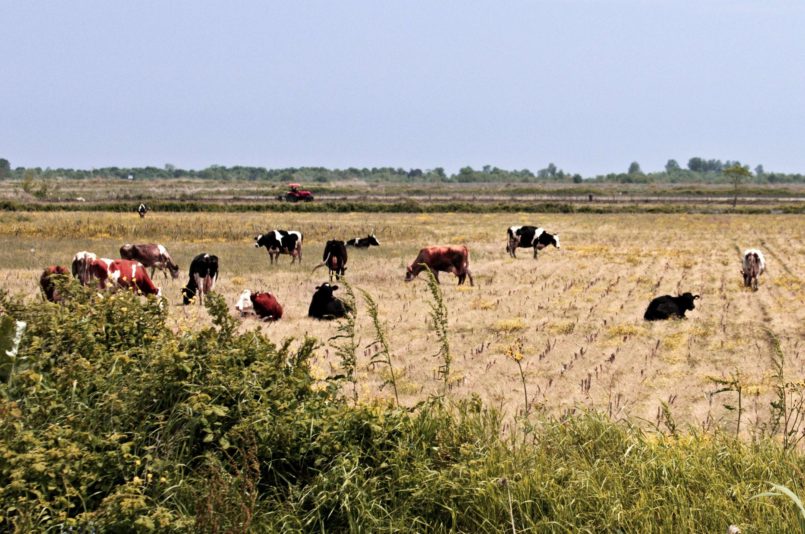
(324, 305)
(335, 258)
(666, 306)
(47, 282)
(262, 303)
(754, 264)
(450, 259)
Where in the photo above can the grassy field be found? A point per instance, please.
(577, 311)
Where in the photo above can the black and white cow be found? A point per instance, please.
(324, 305)
(364, 242)
(142, 209)
(335, 258)
(203, 275)
(529, 237)
(666, 306)
(281, 242)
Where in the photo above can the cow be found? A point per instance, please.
(450, 259)
(80, 266)
(335, 258)
(47, 282)
(667, 306)
(142, 209)
(529, 237)
(364, 242)
(124, 273)
(203, 275)
(262, 303)
(281, 242)
(151, 255)
(324, 305)
(754, 264)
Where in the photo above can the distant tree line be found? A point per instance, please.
(698, 170)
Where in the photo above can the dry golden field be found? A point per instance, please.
(578, 310)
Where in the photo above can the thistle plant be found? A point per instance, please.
(383, 356)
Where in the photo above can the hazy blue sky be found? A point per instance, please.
(590, 85)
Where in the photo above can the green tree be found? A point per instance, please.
(736, 173)
(671, 166)
(5, 169)
(634, 168)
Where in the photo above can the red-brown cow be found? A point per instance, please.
(47, 284)
(263, 304)
(450, 259)
(124, 273)
(151, 255)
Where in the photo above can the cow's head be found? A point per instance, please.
(326, 290)
(244, 301)
(409, 273)
(546, 239)
(687, 300)
(174, 270)
(373, 242)
(257, 239)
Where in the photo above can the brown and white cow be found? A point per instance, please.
(450, 259)
(124, 273)
(262, 303)
(80, 266)
(151, 255)
(47, 283)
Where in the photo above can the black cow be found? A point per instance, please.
(324, 305)
(364, 242)
(667, 306)
(529, 237)
(335, 258)
(203, 275)
(281, 242)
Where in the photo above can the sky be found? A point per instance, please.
(589, 85)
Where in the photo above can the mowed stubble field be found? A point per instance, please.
(577, 310)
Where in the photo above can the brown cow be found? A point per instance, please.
(47, 284)
(124, 273)
(450, 259)
(151, 255)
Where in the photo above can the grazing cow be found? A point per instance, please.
(203, 275)
(47, 283)
(124, 273)
(450, 259)
(335, 258)
(80, 266)
(364, 242)
(324, 305)
(667, 306)
(151, 255)
(142, 209)
(281, 242)
(529, 237)
(262, 303)
(754, 264)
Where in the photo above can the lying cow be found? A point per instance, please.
(450, 259)
(263, 304)
(529, 237)
(202, 277)
(324, 305)
(667, 306)
(335, 258)
(151, 255)
(47, 282)
(364, 242)
(281, 242)
(754, 264)
(124, 273)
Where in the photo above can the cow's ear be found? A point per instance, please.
(318, 287)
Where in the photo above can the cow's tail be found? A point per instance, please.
(323, 263)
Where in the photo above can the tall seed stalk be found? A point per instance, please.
(347, 350)
(438, 312)
(383, 356)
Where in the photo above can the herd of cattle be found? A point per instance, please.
(130, 271)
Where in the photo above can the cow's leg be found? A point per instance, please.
(535, 252)
(436, 276)
(469, 275)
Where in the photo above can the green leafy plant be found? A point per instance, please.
(382, 356)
